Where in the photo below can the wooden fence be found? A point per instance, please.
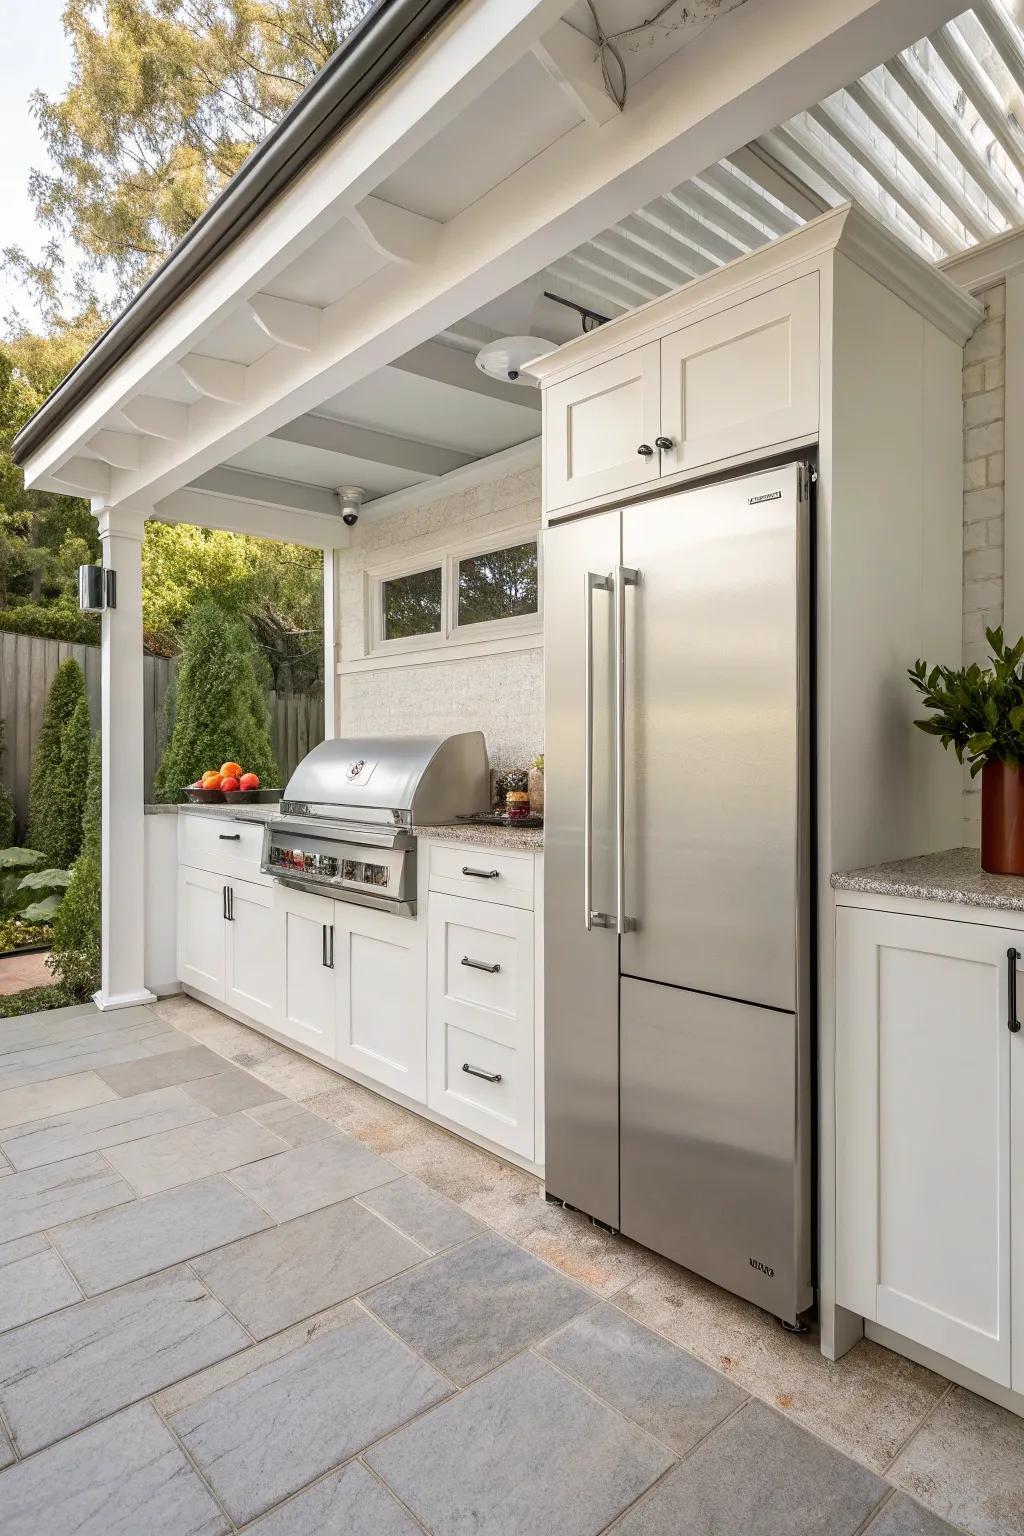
(27, 667)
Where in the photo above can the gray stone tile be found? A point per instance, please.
(52, 1097)
(61, 1059)
(347, 1503)
(162, 1070)
(306, 1178)
(138, 1239)
(524, 1450)
(267, 1435)
(668, 1393)
(470, 1309)
(760, 1472)
(214, 1145)
(6, 1455)
(967, 1464)
(291, 1272)
(66, 1371)
(229, 1091)
(293, 1122)
(63, 1026)
(33, 1201)
(101, 1125)
(425, 1217)
(124, 1477)
(903, 1517)
(33, 1282)
(159, 1045)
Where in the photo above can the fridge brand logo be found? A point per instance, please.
(753, 501)
(765, 1269)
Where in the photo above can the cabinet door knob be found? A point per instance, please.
(1012, 1020)
(645, 450)
(664, 443)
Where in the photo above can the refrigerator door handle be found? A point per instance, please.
(591, 583)
(623, 576)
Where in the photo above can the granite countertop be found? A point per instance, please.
(524, 839)
(953, 876)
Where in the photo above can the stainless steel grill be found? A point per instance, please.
(347, 817)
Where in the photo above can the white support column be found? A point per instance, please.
(123, 908)
(332, 620)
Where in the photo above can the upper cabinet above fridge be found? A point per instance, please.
(730, 369)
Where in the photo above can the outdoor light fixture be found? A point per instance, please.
(503, 359)
(97, 588)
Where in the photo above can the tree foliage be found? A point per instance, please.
(166, 99)
(45, 820)
(75, 956)
(67, 798)
(6, 799)
(220, 712)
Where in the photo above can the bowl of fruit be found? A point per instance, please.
(228, 783)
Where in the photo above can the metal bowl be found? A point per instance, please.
(251, 796)
(203, 796)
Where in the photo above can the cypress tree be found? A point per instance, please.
(6, 802)
(44, 825)
(75, 956)
(220, 711)
(67, 797)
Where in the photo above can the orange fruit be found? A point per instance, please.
(249, 781)
(211, 780)
(230, 770)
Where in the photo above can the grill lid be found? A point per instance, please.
(414, 780)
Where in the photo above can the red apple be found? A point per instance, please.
(230, 782)
(249, 781)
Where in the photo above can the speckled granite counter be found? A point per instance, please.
(953, 876)
(522, 839)
(229, 812)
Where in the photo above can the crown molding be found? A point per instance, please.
(847, 230)
(991, 262)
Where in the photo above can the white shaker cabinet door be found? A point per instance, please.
(597, 426)
(254, 982)
(202, 918)
(309, 1012)
(923, 1066)
(741, 380)
(382, 997)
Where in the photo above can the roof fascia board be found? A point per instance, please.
(467, 53)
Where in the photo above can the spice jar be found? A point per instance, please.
(517, 804)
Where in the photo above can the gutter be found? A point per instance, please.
(364, 63)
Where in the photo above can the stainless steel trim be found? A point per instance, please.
(482, 874)
(480, 965)
(591, 584)
(622, 577)
(342, 893)
(488, 1077)
(319, 826)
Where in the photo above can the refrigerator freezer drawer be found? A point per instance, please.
(714, 1154)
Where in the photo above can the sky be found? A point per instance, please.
(33, 53)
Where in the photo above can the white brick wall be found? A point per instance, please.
(502, 695)
(984, 410)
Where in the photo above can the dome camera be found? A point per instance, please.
(505, 359)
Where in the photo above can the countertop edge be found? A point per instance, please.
(515, 840)
(951, 878)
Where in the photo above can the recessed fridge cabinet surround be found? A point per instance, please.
(679, 546)
(930, 1129)
(438, 1010)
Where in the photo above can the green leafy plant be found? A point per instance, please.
(220, 711)
(6, 801)
(46, 821)
(16, 934)
(34, 1000)
(75, 956)
(978, 711)
(15, 864)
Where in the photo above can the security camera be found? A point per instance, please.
(350, 500)
(505, 359)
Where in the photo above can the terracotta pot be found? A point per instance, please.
(1002, 819)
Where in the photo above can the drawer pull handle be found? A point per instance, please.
(230, 837)
(488, 1077)
(1012, 1019)
(480, 965)
(645, 451)
(481, 874)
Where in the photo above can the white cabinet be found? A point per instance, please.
(202, 918)
(381, 975)
(929, 1104)
(309, 1013)
(595, 425)
(252, 972)
(480, 1019)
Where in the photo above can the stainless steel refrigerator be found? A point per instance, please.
(678, 856)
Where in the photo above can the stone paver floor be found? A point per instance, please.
(239, 1292)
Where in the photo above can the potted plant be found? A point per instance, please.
(979, 712)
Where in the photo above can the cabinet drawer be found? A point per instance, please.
(485, 1086)
(221, 845)
(483, 874)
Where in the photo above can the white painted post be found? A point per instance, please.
(123, 927)
(332, 618)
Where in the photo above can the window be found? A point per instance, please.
(412, 605)
(500, 584)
